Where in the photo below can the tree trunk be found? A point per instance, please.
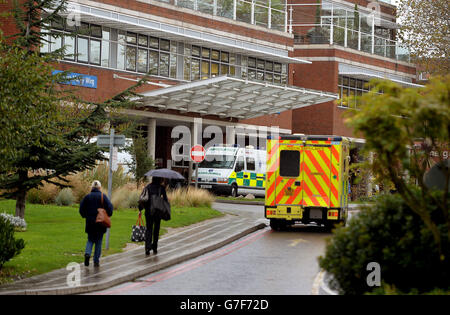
(20, 203)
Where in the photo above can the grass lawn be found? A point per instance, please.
(55, 235)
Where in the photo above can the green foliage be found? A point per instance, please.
(10, 247)
(44, 125)
(141, 162)
(65, 197)
(393, 120)
(392, 235)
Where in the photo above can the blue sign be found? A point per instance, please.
(77, 79)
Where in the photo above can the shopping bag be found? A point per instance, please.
(138, 230)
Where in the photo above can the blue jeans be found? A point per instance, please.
(98, 248)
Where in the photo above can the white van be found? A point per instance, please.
(234, 171)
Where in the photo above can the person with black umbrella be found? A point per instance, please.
(153, 219)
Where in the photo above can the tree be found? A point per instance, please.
(425, 29)
(393, 120)
(141, 163)
(48, 129)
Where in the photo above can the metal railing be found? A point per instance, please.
(334, 24)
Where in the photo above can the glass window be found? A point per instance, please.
(289, 163)
(164, 64)
(232, 71)
(269, 66)
(153, 61)
(154, 42)
(260, 76)
(251, 165)
(131, 58)
(277, 78)
(251, 62)
(143, 40)
(84, 29)
(83, 49)
(95, 52)
(96, 31)
(105, 53)
(284, 68)
(173, 65)
(260, 64)
(214, 69)
(173, 47)
(232, 59)
(205, 70)
(224, 57)
(196, 51)
(239, 164)
(251, 74)
(165, 44)
(44, 44)
(277, 67)
(187, 49)
(121, 57)
(105, 33)
(69, 45)
(56, 42)
(195, 70)
(131, 38)
(268, 77)
(215, 55)
(205, 52)
(187, 68)
(224, 69)
(142, 60)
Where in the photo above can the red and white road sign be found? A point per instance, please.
(198, 153)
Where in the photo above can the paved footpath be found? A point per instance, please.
(175, 247)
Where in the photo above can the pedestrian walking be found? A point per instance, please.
(89, 209)
(152, 217)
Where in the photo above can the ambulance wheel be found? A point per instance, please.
(234, 190)
(278, 225)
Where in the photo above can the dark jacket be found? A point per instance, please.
(88, 210)
(153, 189)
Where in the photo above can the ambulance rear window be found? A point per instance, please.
(289, 163)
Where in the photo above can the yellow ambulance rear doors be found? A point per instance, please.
(320, 172)
(288, 185)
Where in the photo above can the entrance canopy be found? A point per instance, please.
(229, 97)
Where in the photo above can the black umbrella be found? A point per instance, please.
(164, 173)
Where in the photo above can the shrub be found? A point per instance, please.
(126, 197)
(10, 247)
(191, 197)
(65, 197)
(390, 234)
(45, 194)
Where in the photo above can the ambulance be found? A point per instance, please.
(307, 180)
(233, 170)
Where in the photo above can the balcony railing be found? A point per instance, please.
(270, 14)
(335, 24)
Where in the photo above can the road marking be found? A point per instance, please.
(297, 241)
(317, 282)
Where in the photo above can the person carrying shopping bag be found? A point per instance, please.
(152, 194)
(90, 208)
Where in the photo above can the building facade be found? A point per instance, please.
(229, 67)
